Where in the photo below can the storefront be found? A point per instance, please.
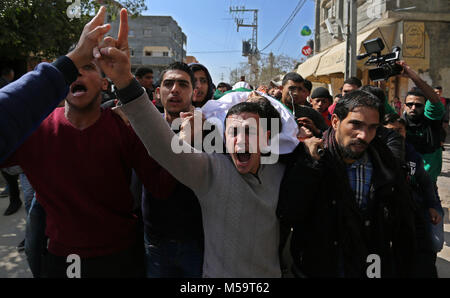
(328, 66)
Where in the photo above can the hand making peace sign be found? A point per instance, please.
(113, 55)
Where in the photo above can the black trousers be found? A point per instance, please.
(13, 184)
(129, 263)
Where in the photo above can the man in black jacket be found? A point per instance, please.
(351, 211)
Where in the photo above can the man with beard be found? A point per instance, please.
(353, 217)
(423, 113)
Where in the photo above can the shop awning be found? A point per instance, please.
(334, 59)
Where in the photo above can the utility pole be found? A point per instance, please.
(253, 55)
(350, 55)
(317, 28)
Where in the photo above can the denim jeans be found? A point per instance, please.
(35, 239)
(436, 231)
(28, 191)
(173, 258)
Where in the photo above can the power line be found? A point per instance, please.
(288, 21)
(211, 52)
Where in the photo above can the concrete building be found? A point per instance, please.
(420, 28)
(154, 41)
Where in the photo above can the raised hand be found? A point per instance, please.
(90, 37)
(113, 55)
(309, 124)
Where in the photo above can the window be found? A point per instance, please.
(131, 52)
(148, 53)
(163, 28)
(166, 54)
(148, 32)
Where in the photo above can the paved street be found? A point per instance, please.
(12, 231)
(443, 261)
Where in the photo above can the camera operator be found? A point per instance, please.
(423, 113)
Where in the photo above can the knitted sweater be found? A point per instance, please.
(240, 224)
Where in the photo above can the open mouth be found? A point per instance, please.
(243, 157)
(78, 89)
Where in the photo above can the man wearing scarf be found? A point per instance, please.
(350, 209)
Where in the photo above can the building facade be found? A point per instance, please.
(420, 28)
(154, 41)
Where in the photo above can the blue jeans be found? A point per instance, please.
(28, 191)
(436, 231)
(35, 239)
(173, 258)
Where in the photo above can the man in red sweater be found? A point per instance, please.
(79, 161)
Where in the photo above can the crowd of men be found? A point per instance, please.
(356, 197)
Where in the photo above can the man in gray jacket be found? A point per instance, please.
(238, 194)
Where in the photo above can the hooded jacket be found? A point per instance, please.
(209, 94)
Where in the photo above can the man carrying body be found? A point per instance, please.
(238, 195)
(354, 203)
(294, 96)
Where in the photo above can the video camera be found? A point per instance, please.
(386, 66)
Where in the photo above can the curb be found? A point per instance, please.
(446, 215)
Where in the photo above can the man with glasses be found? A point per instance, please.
(423, 114)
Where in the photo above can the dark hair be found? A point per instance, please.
(438, 87)
(178, 66)
(415, 92)
(353, 81)
(223, 84)
(308, 85)
(392, 118)
(269, 111)
(356, 99)
(263, 109)
(379, 93)
(292, 76)
(142, 71)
